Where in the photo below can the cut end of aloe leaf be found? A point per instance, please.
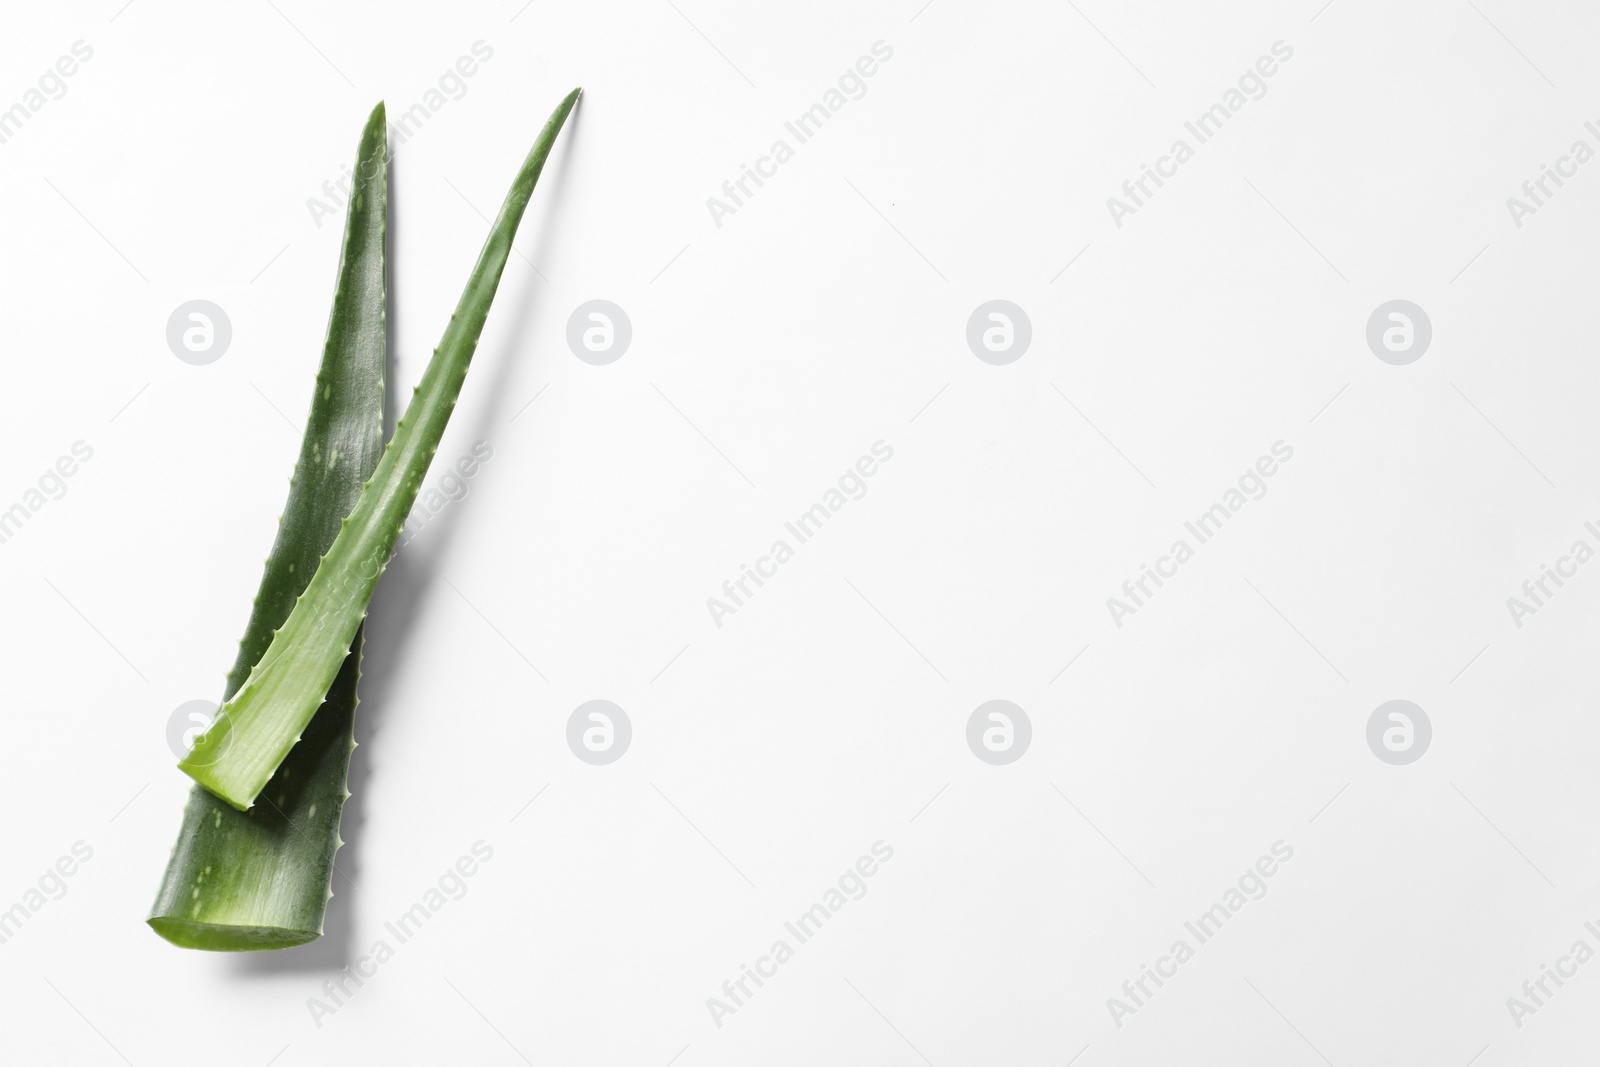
(217, 937)
(202, 764)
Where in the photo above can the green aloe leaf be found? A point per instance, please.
(259, 725)
(262, 879)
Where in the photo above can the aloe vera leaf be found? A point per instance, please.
(239, 881)
(261, 723)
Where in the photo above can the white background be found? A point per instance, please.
(829, 713)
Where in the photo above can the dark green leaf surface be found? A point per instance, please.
(261, 879)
